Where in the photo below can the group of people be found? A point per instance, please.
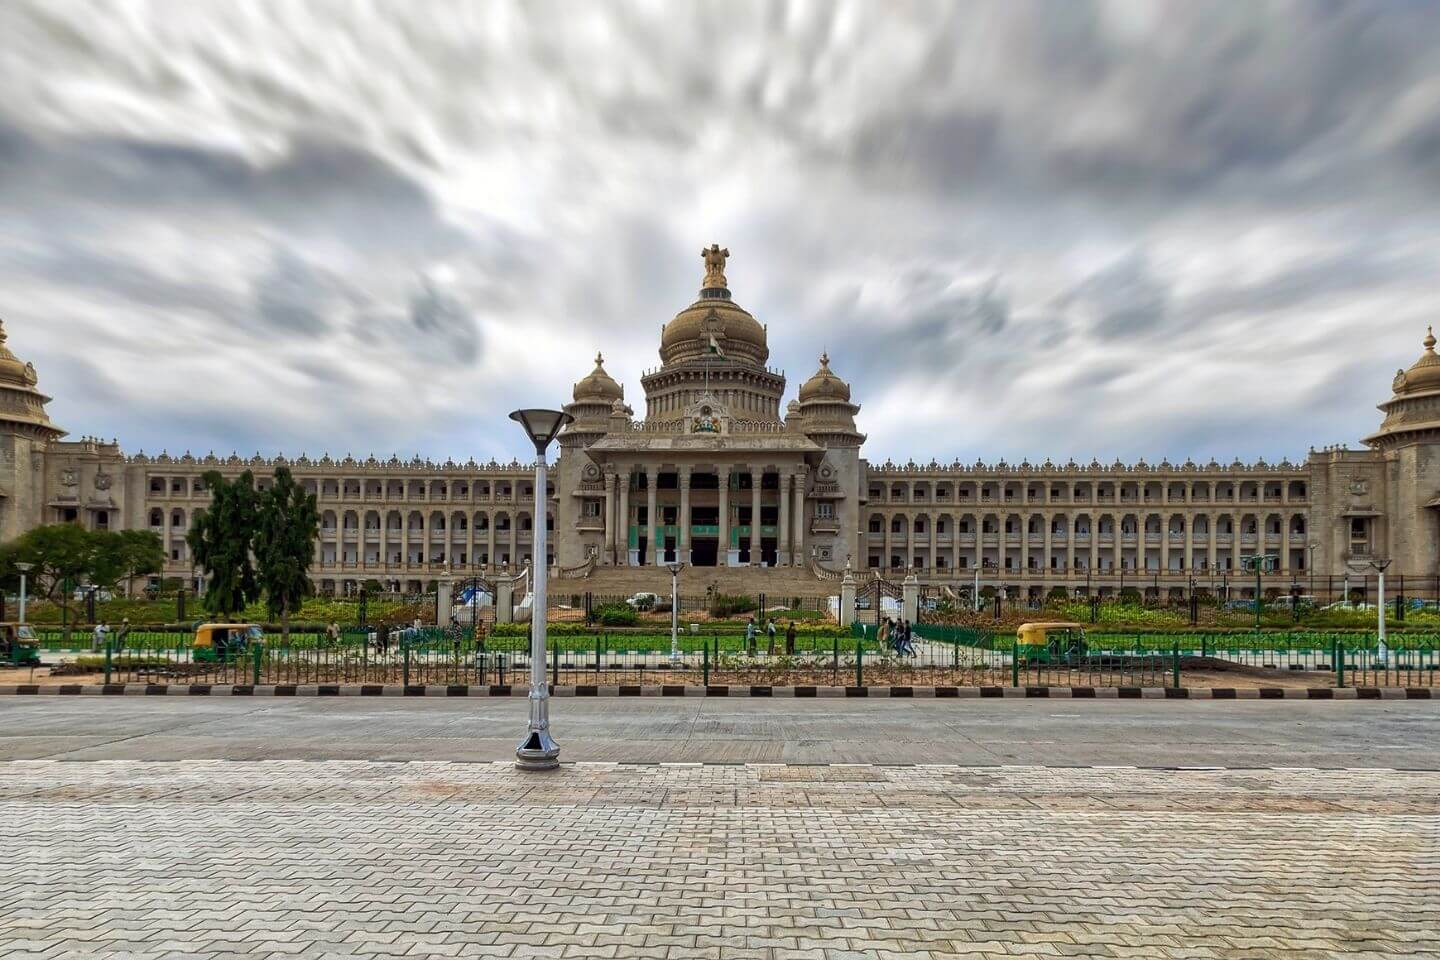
(101, 634)
(750, 631)
(898, 635)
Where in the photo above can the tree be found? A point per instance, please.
(63, 554)
(220, 540)
(123, 555)
(286, 528)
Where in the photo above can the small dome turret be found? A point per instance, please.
(598, 385)
(1424, 374)
(824, 385)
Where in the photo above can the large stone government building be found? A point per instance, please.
(721, 472)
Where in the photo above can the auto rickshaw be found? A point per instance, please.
(1050, 642)
(19, 647)
(224, 641)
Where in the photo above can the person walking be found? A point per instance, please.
(332, 633)
(882, 632)
(907, 639)
(770, 635)
(97, 636)
(790, 639)
(750, 636)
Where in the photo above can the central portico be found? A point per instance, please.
(713, 476)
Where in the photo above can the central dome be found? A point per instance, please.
(714, 326)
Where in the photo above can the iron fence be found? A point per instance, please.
(949, 656)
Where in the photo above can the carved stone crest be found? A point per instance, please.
(1359, 486)
(102, 480)
(69, 477)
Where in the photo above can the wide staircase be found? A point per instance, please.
(696, 581)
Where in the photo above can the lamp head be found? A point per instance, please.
(541, 426)
(24, 567)
(675, 568)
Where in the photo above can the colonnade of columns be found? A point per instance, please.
(790, 501)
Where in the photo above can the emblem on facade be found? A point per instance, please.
(705, 422)
(69, 478)
(1398, 384)
(715, 258)
(102, 481)
(1359, 486)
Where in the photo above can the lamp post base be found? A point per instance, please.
(538, 751)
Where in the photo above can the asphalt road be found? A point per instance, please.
(1145, 733)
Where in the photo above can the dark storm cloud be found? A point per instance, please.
(1056, 219)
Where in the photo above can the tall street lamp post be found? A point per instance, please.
(24, 568)
(674, 569)
(539, 751)
(1380, 649)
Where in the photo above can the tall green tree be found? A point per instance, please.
(123, 555)
(287, 526)
(63, 555)
(220, 540)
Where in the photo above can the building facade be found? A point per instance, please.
(721, 472)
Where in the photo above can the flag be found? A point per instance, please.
(715, 347)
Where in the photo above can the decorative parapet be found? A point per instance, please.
(326, 462)
(1049, 468)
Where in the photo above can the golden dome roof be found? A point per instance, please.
(598, 385)
(736, 334)
(12, 370)
(1424, 374)
(824, 385)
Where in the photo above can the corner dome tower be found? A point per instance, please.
(1413, 411)
(824, 412)
(22, 406)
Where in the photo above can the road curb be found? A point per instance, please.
(637, 690)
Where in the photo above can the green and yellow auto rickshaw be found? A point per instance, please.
(219, 642)
(19, 646)
(1050, 642)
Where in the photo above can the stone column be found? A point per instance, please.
(1142, 521)
(889, 520)
(622, 520)
(442, 602)
(1284, 539)
(847, 598)
(682, 541)
(910, 598)
(607, 538)
(1025, 545)
(490, 538)
(1000, 519)
(797, 548)
(504, 600)
(1210, 519)
(1094, 520)
(1070, 542)
(652, 517)
(1049, 520)
(934, 522)
(1165, 542)
(755, 478)
(722, 552)
(782, 558)
(1185, 562)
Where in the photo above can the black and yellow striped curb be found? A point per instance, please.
(636, 690)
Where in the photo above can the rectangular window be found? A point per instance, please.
(825, 510)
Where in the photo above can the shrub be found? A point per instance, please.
(1058, 593)
(616, 615)
(727, 605)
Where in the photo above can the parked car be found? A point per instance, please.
(644, 601)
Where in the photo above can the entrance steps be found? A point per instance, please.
(696, 581)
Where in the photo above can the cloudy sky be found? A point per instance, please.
(1020, 229)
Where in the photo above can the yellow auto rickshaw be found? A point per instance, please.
(225, 641)
(19, 647)
(1050, 642)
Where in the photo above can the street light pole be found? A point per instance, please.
(539, 751)
(674, 569)
(1380, 649)
(24, 568)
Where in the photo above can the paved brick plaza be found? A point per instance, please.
(344, 858)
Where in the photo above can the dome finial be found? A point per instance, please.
(825, 360)
(599, 359)
(715, 258)
(1429, 338)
